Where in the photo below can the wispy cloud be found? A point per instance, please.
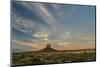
(42, 11)
(88, 37)
(60, 25)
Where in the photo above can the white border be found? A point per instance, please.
(83, 2)
(5, 33)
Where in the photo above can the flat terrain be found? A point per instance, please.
(35, 58)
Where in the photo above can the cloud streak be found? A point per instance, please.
(60, 25)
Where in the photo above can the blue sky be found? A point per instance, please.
(60, 24)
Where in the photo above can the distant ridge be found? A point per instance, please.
(48, 48)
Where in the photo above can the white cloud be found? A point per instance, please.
(20, 22)
(41, 34)
(43, 12)
(88, 37)
(21, 45)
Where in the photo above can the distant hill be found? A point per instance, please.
(48, 48)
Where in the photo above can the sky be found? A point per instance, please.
(64, 26)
